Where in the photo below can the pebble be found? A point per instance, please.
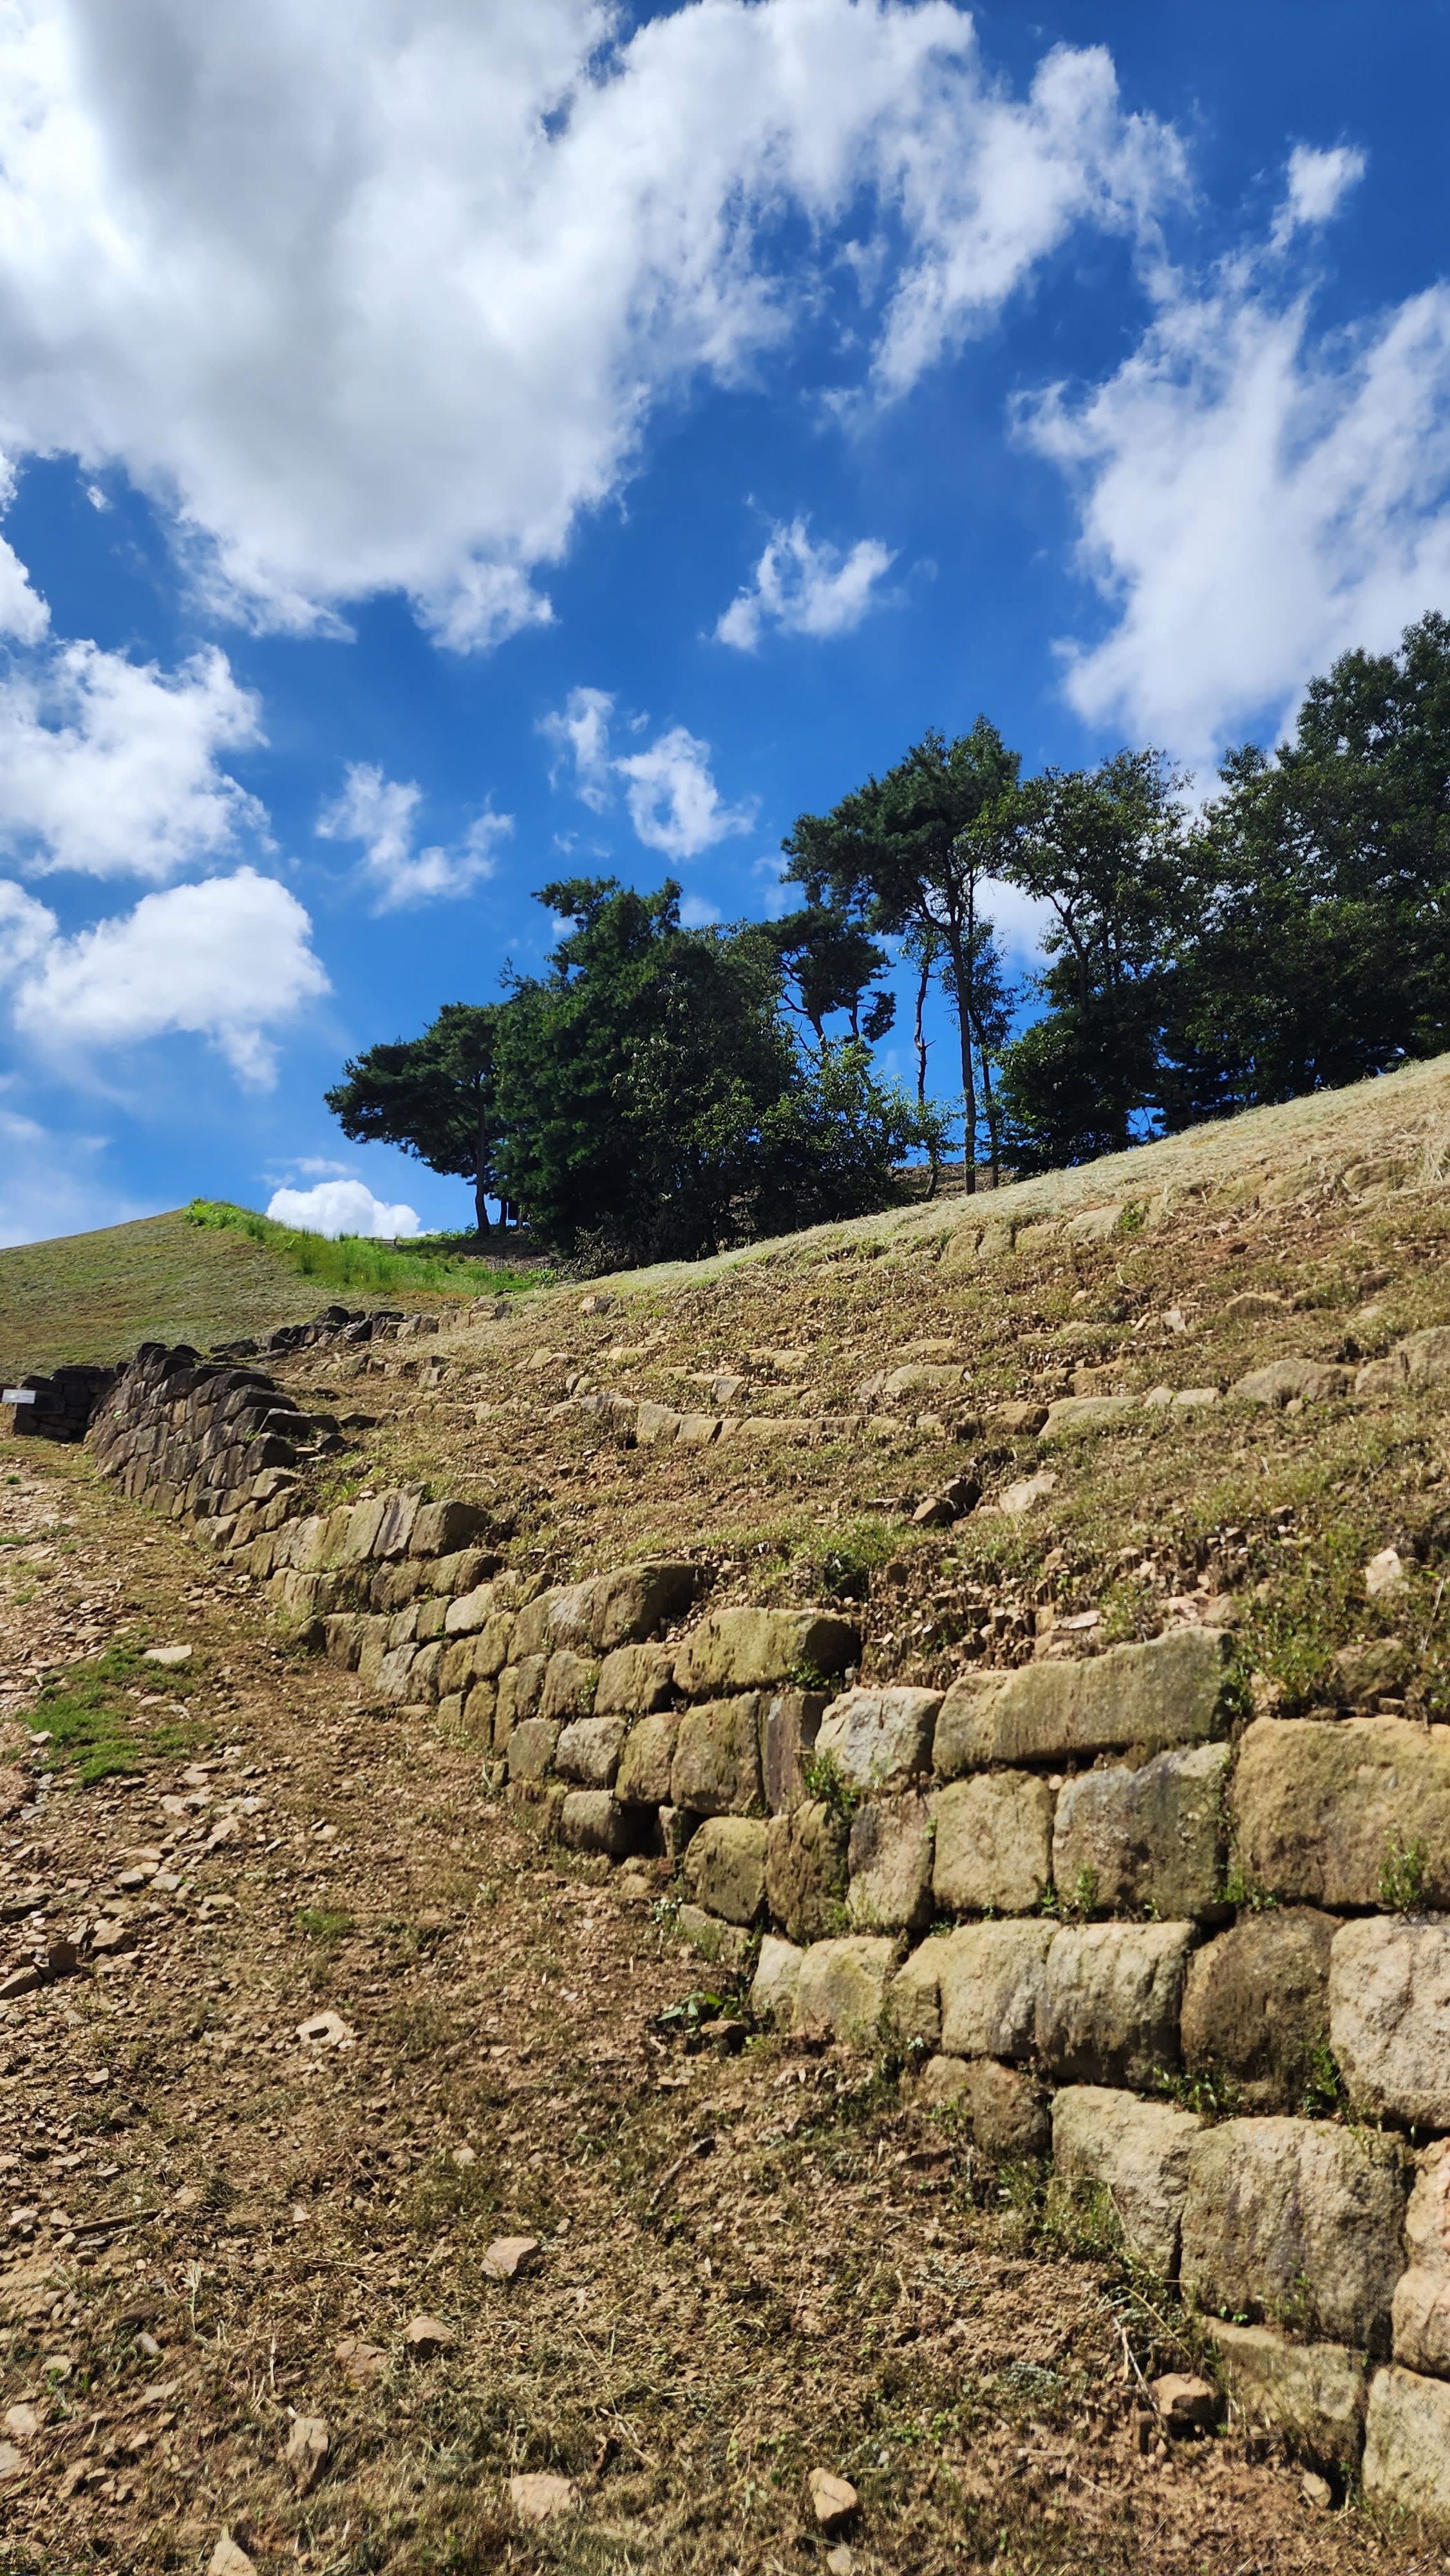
(167, 1655)
(326, 2029)
(228, 2560)
(1185, 2404)
(426, 2337)
(841, 2559)
(11, 2461)
(509, 2255)
(359, 2361)
(537, 2497)
(1384, 1573)
(1316, 2491)
(834, 2499)
(22, 2421)
(308, 2445)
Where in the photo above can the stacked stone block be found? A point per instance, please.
(62, 1405)
(206, 1440)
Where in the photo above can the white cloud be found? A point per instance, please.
(1255, 498)
(384, 297)
(672, 798)
(669, 789)
(226, 960)
(697, 914)
(805, 589)
(1318, 183)
(381, 813)
(110, 766)
(341, 1207)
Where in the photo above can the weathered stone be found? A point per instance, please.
(724, 1868)
(1256, 2005)
(842, 1988)
(1004, 2109)
(890, 1862)
(787, 1740)
(724, 1945)
(991, 1978)
(777, 1974)
(805, 1869)
(494, 1645)
(655, 1422)
(993, 1843)
(1407, 2445)
(753, 1649)
(468, 1612)
(1185, 2404)
(563, 1616)
(879, 1739)
(1311, 2394)
(634, 1680)
(588, 1750)
(716, 1768)
(1322, 1811)
(440, 1528)
(1136, 2155)
(591, 1821)
(520, 1687)
(1389, 2017)
(918, 1379)
(645, 1764)
(395, 1528)
(531, 1749)
(1169, 1691)
(1295, 2221)
(637, 1601)
(568, 1690)
(1372, 1665)
(480, 1708)
(1288, 1381)
(1108, 2009)
(1145, 1838)
(913, 1999)
(1421, 2310)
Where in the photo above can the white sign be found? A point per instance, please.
(17, 1395)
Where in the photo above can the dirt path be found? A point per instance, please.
(748, 2265)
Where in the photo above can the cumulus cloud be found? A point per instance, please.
(805, 589)
(341, 1207)
(1256, 496)
(669, 788)
(110, 766)
(381, 813)
(377, 298)
(227, 960)
(1318, 183)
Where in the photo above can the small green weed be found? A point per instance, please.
(325, 1924)
(823, 1780)
(1245, 1893)
(1402, 1876)
(1324, 2095)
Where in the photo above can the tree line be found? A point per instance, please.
(661, 1090)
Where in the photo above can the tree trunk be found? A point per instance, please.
(482, 1227)
(989, 1103)
(921, 988)
(969, 1080)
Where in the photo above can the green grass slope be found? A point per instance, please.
(95, 1296)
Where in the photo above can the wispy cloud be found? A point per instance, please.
(382, 813)
(802, 588)
(668, 788)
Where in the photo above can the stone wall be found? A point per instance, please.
(1196, 1958)
(60, 1406)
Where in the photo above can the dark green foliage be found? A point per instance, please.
(433, 1096)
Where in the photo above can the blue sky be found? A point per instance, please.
(450, 444)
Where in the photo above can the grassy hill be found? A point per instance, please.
(95, 1296)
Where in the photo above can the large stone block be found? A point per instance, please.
(716, 1769)
(569, 1681)
(777, 1975)
(1322, 1811)
(1256, 2005)
(787, 1741)
(1003, 2108)
(634, 1680)
(993, 1843)
(591, 1821)
(637, 1602)
(442, 1528)
(724, 1868)
(842, 1988)
(890, 1861)
(520, 1687)
(755, 1649)
(725, 1945)
(493, 1645)
(1136, 2153)
(1148, 1838)
(1421, 2311)
(531, 1749)
(1311, 2394)
(645, 1764)
(991, 1979)
(1296, 2222)
(805, 1872)
(1108, 2009)
(913, 1999)
(879, 1739)
(588, 1750)
(1407, 2445)
(1389, 2017)
(1169, 1691)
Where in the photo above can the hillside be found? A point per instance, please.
(358, 1991)
(95, 1296)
